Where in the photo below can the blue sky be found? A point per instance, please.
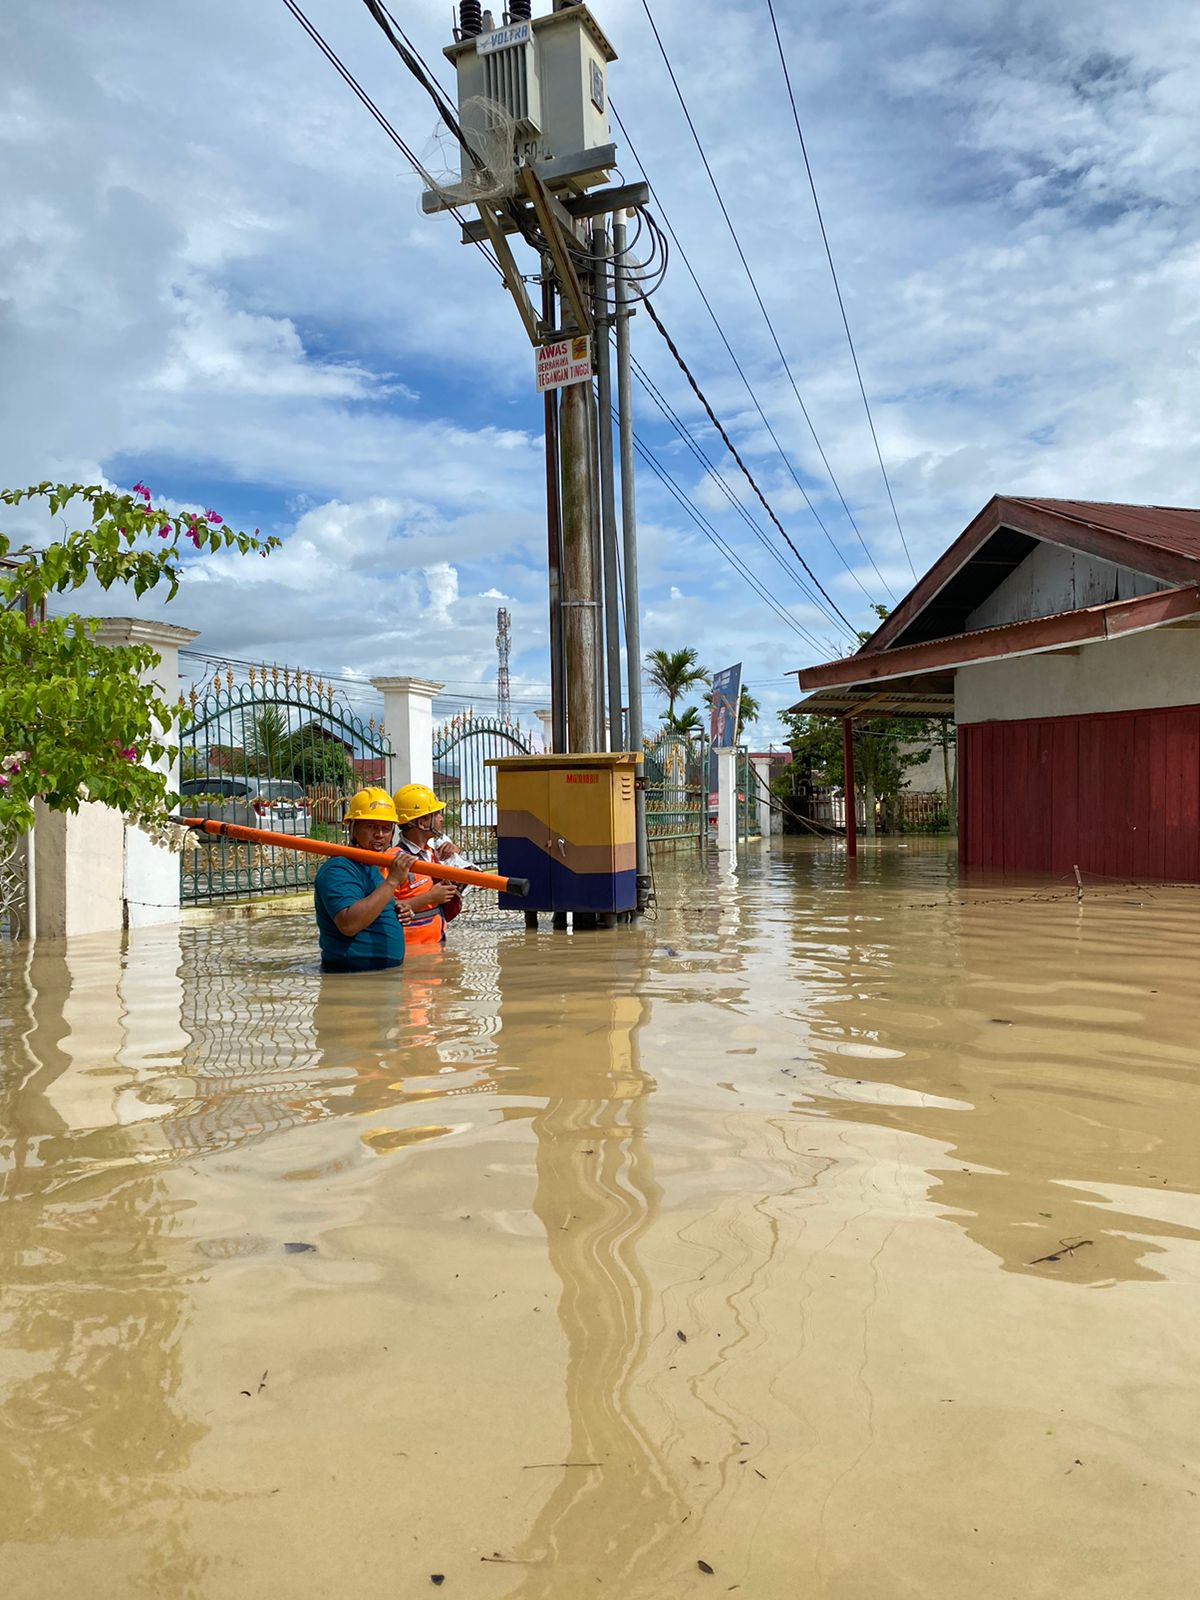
(214, 275)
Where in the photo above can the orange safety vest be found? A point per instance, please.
(427, 927)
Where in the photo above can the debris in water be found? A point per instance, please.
(704, 1567)
(680, 1335)
(437, 1577)
(1066, 1247)
(297, 1247)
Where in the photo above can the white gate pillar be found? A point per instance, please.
(760, 766)
(94, 874)
(546, 718)
(727, 800)
(408, 720)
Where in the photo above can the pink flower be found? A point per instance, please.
(214, 518)
(14, 762)
(127, 752)
(164, 530)
(140, 488)
(3, 781)
(193, 534)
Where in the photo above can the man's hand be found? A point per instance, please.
(397, 873)
(447, 851)
(438, 893)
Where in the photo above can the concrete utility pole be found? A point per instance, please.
(578, 578)
(602, 278)
(633, 626)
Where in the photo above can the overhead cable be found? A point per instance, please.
(352, 82)
(749, 274)
(734, 452)
(757, 403)
(812, 184)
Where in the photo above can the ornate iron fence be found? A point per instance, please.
(675, 772)
(461, 748)
(14, 852)
(280, 751)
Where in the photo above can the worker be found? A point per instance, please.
(359, 923)
(432, 904)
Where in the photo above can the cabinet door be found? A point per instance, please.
(581, 845)
(523, 836)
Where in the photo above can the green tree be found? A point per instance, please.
(886, 749)
(687, 723)
(673, 673)
(313, 754)
(76, 721)
(266, 742)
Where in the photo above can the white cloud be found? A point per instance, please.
(232, 291)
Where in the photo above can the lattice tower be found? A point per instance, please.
(503, 652)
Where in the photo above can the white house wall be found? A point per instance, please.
(1160, 667)
(1053, 579)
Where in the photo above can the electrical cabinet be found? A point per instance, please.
(567, 823)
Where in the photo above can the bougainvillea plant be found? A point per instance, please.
(77, 721)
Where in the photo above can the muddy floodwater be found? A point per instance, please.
(828, 1236)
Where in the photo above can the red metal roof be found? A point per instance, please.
(1088, 625)
(1162, 527)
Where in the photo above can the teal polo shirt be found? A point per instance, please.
(340, 883)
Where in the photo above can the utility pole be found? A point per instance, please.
(601, 280)
(633, 627)
(578, 581)
(558, 702)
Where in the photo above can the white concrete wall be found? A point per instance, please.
(1160, 667)
(1053, 579)
(79, 859)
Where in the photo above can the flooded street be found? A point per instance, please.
(836, 1235)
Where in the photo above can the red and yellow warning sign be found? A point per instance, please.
(565, 361)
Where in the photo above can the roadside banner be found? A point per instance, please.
(723, 721)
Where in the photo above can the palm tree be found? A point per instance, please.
(264, 739)
(687, 723)
(673, 672)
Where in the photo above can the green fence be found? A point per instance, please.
(675, 772)
(279, 751)
(466, 785)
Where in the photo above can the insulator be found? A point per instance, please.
(470, 18)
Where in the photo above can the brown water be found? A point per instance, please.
(736, 1238)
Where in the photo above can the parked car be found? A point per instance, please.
(224, 800)
(279, 804)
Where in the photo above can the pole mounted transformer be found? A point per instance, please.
(533, 155)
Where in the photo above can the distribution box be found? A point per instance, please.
(567, 823)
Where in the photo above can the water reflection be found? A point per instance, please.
(91, 1420)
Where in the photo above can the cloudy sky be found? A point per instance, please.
(215, 275)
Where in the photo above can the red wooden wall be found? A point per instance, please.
(1116, 794)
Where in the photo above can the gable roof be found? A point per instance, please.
(1162, 542)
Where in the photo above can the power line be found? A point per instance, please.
(787, 78)
(740, 370)
(749, 274)
(733, 451)
(646, 383)
(357, 89)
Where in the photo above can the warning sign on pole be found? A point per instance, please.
(565, 361)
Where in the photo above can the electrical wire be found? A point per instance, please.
(734, 452)
(650, 388)
(357, 89)
(741, 372)
(750, 276)
(812, 184)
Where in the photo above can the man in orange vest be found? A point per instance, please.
(432, 903)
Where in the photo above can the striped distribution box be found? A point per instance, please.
(567, 824)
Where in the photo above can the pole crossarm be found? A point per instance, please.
(556, 225)
(596, 203)
(513, 281)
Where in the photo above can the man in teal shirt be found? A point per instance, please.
(358, 922)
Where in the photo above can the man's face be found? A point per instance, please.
(372, 835)
(432, 824)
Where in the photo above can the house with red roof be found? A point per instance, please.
(1063, 636)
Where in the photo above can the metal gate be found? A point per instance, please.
(466, 785)
(280, 751)
(675, 772)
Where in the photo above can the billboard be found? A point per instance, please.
(723, 721)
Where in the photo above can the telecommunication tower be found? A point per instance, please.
(503, 652)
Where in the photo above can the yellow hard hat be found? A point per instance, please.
(415, 800)
(371, 805)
